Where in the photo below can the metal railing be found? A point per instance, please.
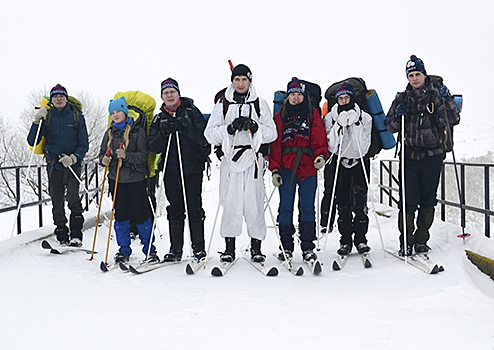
(38, 184)
(448, 195)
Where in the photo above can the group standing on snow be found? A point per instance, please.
(294, 145)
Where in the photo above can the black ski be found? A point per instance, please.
(62, 250)
(222, 268)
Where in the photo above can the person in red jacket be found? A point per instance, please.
(296, 155)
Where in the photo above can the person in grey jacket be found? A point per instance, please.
(423, 110)
(125, 142)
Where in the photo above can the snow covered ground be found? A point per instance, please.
(65, 301)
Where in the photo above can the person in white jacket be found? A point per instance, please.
(349, 136)
(240, 123)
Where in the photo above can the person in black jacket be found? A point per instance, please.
(65, 132)
(422, 108)
(180, 118)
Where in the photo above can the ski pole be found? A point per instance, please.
(99, 207)
(335, 180)
(85, 189)
(403, 208)
(181, 169)
(113, 205)
(160, 178)
(269, 199)
(367, 180)
(27, 173)
(286, 262)
(222, 193)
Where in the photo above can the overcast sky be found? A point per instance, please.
(102, 47)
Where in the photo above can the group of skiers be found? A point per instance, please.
(241, 125)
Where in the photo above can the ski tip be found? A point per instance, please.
(45, 244)
(367, 264)
(54, 251)
(189, 270)
(300, 271)
(216, 272)
(272, 272)
(133, 270)
(123, 267)
(103, 266)
(317, 268)
(336, 267)
(441, 268)
(434, 270)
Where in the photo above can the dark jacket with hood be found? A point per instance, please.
(63, 134)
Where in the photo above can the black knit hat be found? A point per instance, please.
(169, 82)
(415, 64)
(242, 69)
(58, 90)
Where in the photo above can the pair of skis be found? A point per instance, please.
(422, 261)
(341, 260)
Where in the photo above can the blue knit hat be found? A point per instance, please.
(345, 88)
(295, 85)
(118, 105)
(415, 64)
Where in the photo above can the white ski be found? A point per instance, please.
(417, 261)
(366, 260)
(65, 249)
(290, 267)
(222, 268)
(267, 271)
(194, 265)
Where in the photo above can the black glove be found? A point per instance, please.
(443, 91)
(251, 125)
(237, 124)
(401, 110)
(169, 126)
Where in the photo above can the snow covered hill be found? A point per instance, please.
(64, 301)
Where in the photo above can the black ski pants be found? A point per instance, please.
(63, 185)
(421, 182)
(351, 199)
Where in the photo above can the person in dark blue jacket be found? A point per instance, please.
(66, 144)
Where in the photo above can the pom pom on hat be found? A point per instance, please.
(295, 85)
(58, 90)
(169, 82)
(120, 104)
(415, 64)
(345, 88)
(242, 69)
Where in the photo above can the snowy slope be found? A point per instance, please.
(60, 302)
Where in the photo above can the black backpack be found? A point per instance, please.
(360, 92)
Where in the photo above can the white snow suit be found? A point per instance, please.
(244, 195)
